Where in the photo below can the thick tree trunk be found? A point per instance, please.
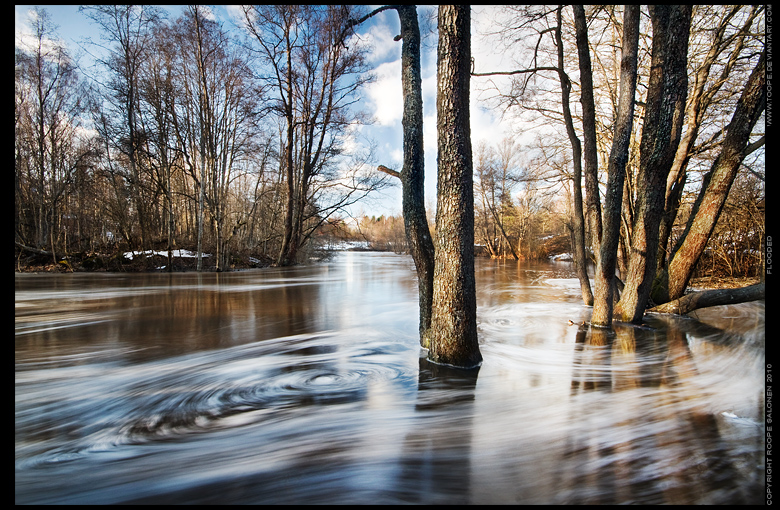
(705, 298)
(454, 313)
(716, 188)
(616, 171)
(412, 175)
(667, 91)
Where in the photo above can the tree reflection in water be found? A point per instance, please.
(436, 457)
(304, 385)
(633, 464)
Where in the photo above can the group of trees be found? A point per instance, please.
(641, 124)
(519, 213)
(195, 136)
(670, 103)
(185, 134)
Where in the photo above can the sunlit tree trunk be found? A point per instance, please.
(717, 183)
(578, 218)
(667, 91)
(616, 171)
(454, 314)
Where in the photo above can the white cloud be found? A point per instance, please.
(385, 94)
(27, 40)
(380, 39)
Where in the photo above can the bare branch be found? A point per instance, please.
(519, 71)
(389, 171)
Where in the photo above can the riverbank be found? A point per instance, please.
(185, 261)
(128, 262)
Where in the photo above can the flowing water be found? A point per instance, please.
(308, 385)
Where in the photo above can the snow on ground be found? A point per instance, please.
(164, 253)
(348, 245)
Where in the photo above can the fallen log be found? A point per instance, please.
(705, 298)
(30, 249)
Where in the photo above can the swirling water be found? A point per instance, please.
(308, 385)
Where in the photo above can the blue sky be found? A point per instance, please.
(382, 98)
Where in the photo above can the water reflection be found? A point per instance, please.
(307, 385)
(436, 457)
(669, 448)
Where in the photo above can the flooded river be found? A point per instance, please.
(308, 385)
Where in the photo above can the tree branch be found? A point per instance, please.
(519, 71)
(389, 171)
(353, 22)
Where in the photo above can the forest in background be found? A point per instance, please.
(193, 137)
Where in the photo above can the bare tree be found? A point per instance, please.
(618, 156)
(314, 79)
(661, 133)
(454, 317)
(717, 183)
(158, 93)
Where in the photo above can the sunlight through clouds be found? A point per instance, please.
(385, 94)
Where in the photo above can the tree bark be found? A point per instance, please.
(717, 184)
(412, 176)
(578, 218)
(667, 91)
(454, 312)
(616, 171)
(705, 298)
(589, 147)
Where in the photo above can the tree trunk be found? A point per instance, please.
(667, 91)
(288, 253)
(716, 186)
(590, 149)
(578, 218)
(412, 175)
(699, 101)
(454, 313)
(705, 298)
(616, 171)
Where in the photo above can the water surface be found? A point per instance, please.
(308, 385)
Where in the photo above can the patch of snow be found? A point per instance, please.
(562, 257)
(164, 253)
(349, 245)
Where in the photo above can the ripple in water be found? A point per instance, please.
(557, 413)
(206, 392)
